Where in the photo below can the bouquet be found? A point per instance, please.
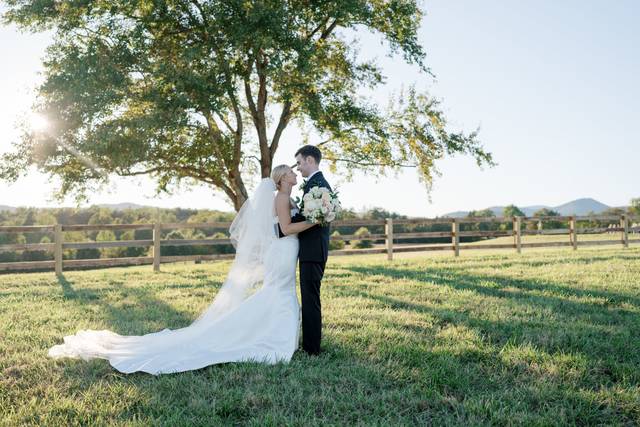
(320, 206)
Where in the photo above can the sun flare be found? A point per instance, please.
(38, 122)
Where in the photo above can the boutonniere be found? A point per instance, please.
(301, 187)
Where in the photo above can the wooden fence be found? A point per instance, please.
(390, 237)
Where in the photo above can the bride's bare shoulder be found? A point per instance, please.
(282, 199)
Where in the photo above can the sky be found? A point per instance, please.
(553, 87)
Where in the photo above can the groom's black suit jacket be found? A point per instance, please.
(314, 242)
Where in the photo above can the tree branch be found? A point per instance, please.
(217, 137)
(247, 91)
(327, 31)
(320, 25)
(285, 116)
(360, 163)
(226, 123)
(326, 141)
(144, 172)
(258, 112)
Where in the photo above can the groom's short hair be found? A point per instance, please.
(310, 150)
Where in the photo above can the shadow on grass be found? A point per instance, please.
(136, 311)
(596, 330)
(554, 292)
(376, 382)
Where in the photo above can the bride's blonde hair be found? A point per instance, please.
(278, 172)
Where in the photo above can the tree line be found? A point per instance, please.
(103, 215)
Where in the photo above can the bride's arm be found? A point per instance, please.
(283, 209)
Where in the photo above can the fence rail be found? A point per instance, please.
(390, 238)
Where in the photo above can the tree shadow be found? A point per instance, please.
(463, 281)
(137, 312)
(351, 379)
(595, 330)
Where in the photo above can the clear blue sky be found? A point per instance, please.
(553, 85)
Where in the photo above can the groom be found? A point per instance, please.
(314, 250)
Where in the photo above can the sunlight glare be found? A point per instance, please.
(38, 122)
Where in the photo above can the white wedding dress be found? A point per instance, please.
(254, 317)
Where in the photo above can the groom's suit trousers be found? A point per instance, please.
(314, 250)
(310, 278)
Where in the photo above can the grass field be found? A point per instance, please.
(544, 338)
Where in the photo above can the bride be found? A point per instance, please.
(254, 317)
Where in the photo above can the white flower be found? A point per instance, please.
(321, 205)
(314, 204)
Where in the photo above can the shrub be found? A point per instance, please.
(174, 250)
(362, 244)
(222, 249)
(336, 244)
(38, 255)
(107, 236)
(131, 251)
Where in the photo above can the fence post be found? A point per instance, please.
(517, 225)
(624, 223)
(573, 232)
(57, 249)
(455, 236)
(389, 232)
(156, 246)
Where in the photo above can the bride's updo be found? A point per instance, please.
(278, 172)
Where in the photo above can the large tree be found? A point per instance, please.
(202, 90)
(512, 210)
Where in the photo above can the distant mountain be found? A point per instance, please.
(581, 207)
(528, 210)
(575, 207)
(456, 214)
(7, 208)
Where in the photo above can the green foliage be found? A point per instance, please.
(97, 215)
(362, 244)
(221, 249)
(102, 216)
(484, 213)
(108, 236)
(509, 212)
(512, 210)
(336, 244)
(479, 226)
(174, 250)
(380, 213)
(614, 211)
(635, 206)
(546, 212)
(38, 255)
(549, 224)
(132, 251)
(91, 253)
(184, 91)
(209, 216)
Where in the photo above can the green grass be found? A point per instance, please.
(544, 338)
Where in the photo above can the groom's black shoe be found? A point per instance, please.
(312, 352)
